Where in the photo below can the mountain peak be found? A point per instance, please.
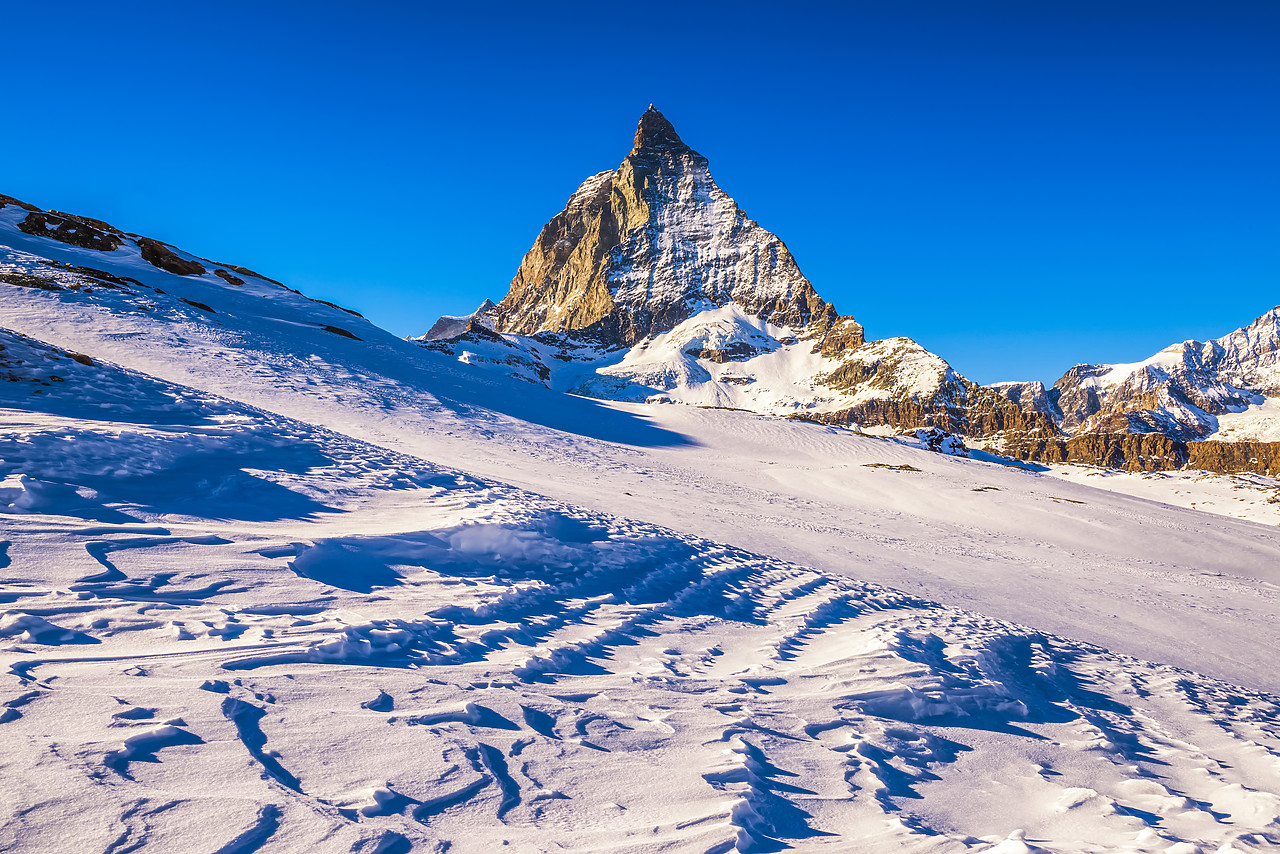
(654, 131)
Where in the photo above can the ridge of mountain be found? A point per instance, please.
(134, 261)
(1198, 405)
(1209, 405)
(653, 286)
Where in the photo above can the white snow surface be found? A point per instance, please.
(768, 369)
(271, 588)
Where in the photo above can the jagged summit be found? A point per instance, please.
(641, 249)
(654, 131)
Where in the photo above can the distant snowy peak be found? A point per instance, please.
(638, 250)
(1251, 356)
(450, 326)
(1187, 391)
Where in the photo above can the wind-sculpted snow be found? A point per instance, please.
(411, 659)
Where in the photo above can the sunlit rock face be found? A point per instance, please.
(648, 245)
(653, 285)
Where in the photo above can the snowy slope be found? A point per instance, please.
(726, 357)
(801, 492)
(389, 601)
(389, 655)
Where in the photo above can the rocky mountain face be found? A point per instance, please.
(653, 285)
(1202, 405)
(646, 246)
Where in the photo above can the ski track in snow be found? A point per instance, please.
(225, 629)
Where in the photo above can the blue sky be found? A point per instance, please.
(1019, 186)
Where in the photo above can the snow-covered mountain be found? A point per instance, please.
(638, 250)
(1227, 388)
(653, 285)
(1202, 406)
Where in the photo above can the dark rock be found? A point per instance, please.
(653, 131)
(76, 231)
(227, 277)
(101, 277)
(338, 330)
(26, 280)
(161, 255)
(199, 305)
(10, 200)
(739, 351)
(245, 271)
(96, 223)
(332, 305)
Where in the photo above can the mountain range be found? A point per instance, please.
(653, 285)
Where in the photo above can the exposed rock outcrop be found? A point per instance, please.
(162, 255)
(1149, 452)
(10, 200)
(1231, 457)
(76, 231)
(1130, 451)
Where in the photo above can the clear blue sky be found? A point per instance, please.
(1018, 185)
